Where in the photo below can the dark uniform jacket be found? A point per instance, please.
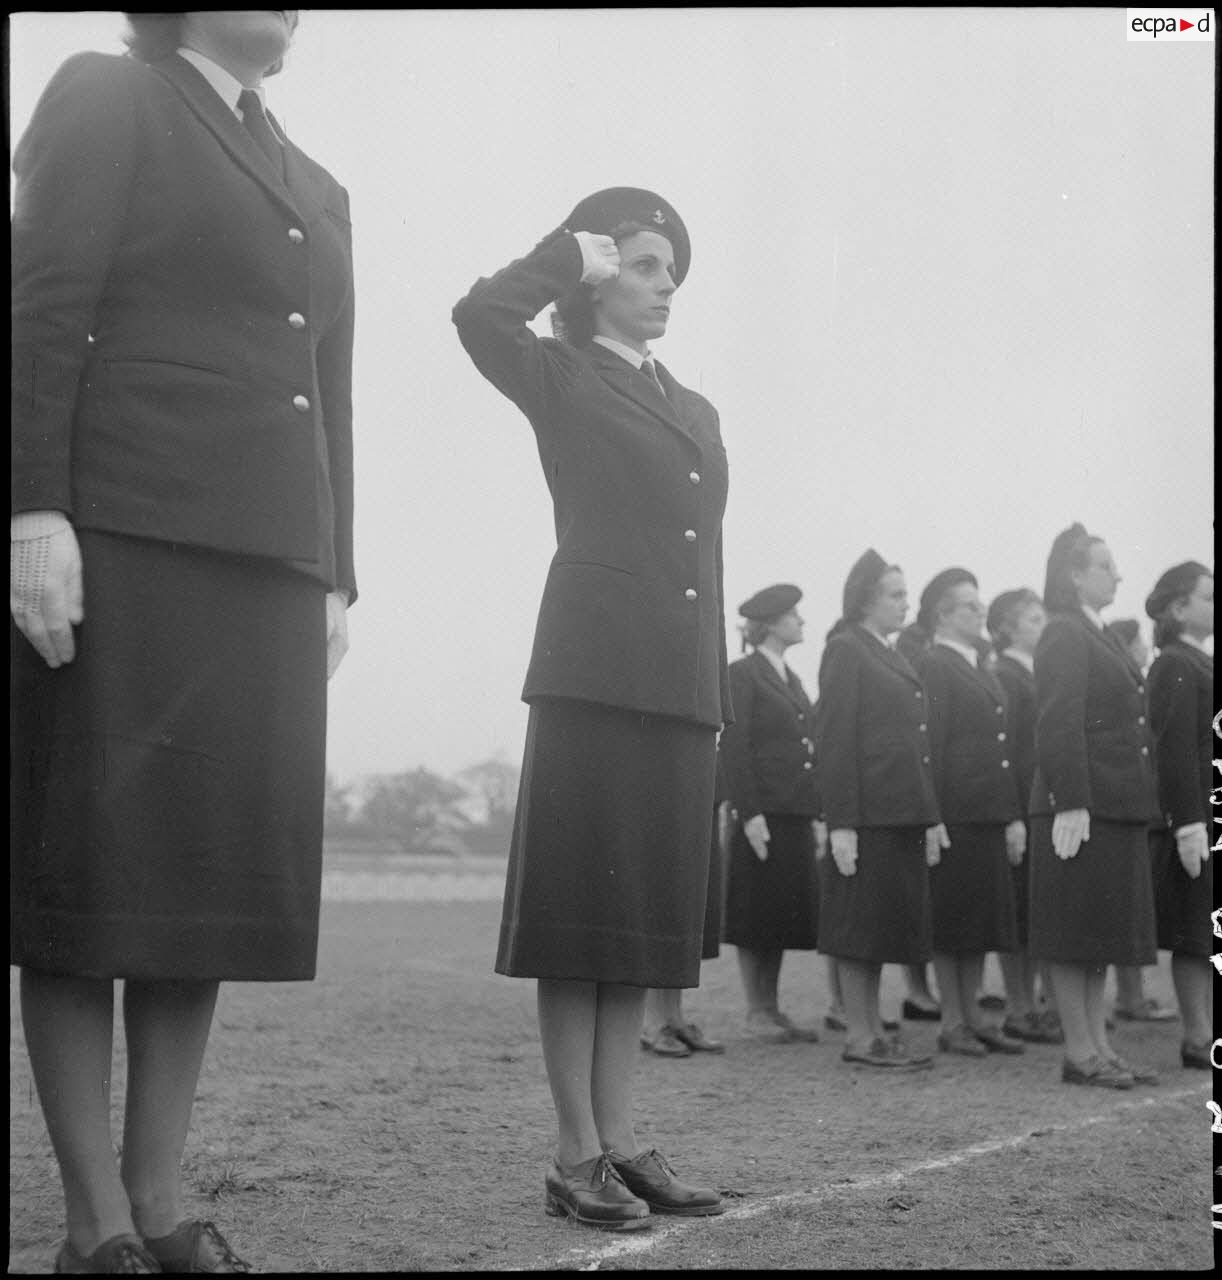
(1018, 684)
(872, 737)
(768, 752)
(1092, 741)
(1181, 716)
(974, 774)
(182, 322)
(632, 613)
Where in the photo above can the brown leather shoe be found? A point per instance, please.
(1146, 1010)
(796, 1032)
(1095, 1071)
(122, 1255)
(1195, 1057)
(666, 1044)
(195, 1247)
(593, 1193)
(884, 1053)
(650, 1177)
(696, 1040)
(996, 1041)
(1141, 1075)
(1032, 1028)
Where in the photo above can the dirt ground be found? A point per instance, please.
(393, 1115)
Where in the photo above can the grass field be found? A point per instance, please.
(393, 1115)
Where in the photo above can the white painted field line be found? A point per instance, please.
(643, 1242)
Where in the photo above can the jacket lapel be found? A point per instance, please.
(636, 386)
(888, 656)
(772, 676)
(204, 101)
(1108, 642)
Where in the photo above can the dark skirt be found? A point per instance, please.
(1096, 908)
(1182, 906)
(973, 901)
(774, 905)
(609, 864)
(167, 785)
(714, 903)
(881, 914)
(1020, 887)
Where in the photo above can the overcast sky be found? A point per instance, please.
(951, 289)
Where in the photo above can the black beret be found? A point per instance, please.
(938, 586)
(863, 577)
(1174, 585)
(604, 211)
(771, 602)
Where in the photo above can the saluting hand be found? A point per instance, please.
(758, 835)
(599, 257)
(1069, 829)
(844, 850)
(1193, 847)
(936, 839)
(1016, 841)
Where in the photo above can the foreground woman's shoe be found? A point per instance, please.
(593, 1193)
(961, 1039)
(1195, 1057)
(1141, 1075)
(123, 1255)
(1096, 1071)
(650, 1177)
(195, 1248)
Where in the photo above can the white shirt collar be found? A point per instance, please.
(634, 358)
(968, 651)
(888, 642)
(778, 664)
(1093, 616)
(1023, 659)
(228, 86)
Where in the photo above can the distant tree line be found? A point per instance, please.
(419, 811)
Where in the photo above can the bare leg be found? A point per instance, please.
(835, 995)
(1018, 973)
(617, 1030)
(1194, 994)
(917, 980)
(69, 1032)
(946, 967)
(167, 1026)
(971, 974)
(663, 1008)
(1130, 991)
(770, 977)
(1069, 983)
(750, 965)
(567, 1020)
(873, 1013)
(1096, 1013)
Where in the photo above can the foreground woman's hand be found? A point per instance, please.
(1016, 841)
(1069, 829)
(337, 630)
(46, 593)
(936, 839)
(758, 835)
(1192, 845)
(844, 850)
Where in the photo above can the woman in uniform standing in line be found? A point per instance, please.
(1091, 890)
(1015, 621)
(772, 897)
(608, 867)
(981, 834)
(876, 787)
(1181, 717)
(182, 495)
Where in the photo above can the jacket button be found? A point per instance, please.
(297, 320)
(690, 534)
(924, 728)
(1005, 764)
(296, 235)
(1141, 719)
(690, 594)
(694, 477)
(801, 715)
(300, 403)
(1001, 737)
(1145, 751)
(1001, 711)
(807, 765)
(919, 694)
(924, 759)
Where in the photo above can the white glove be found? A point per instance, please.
(1193, 847)
(46, 596)
(819, 827)
(756, 831)
(599, 257)
(936, 839)
(1069, 829)
(1016, 841)
(337, 630)
(844, 850)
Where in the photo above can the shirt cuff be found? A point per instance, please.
(28, 525)
(1190, 827)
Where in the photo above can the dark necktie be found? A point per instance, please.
(647, 368)
(255, 120)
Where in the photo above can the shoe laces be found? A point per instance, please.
(605, 1170)
(660, 1160)
(131, 1260)
(221, 1245)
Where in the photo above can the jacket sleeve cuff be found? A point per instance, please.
(27, 525)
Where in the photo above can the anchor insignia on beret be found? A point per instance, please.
(659, 216)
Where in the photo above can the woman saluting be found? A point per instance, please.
(608, 869)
